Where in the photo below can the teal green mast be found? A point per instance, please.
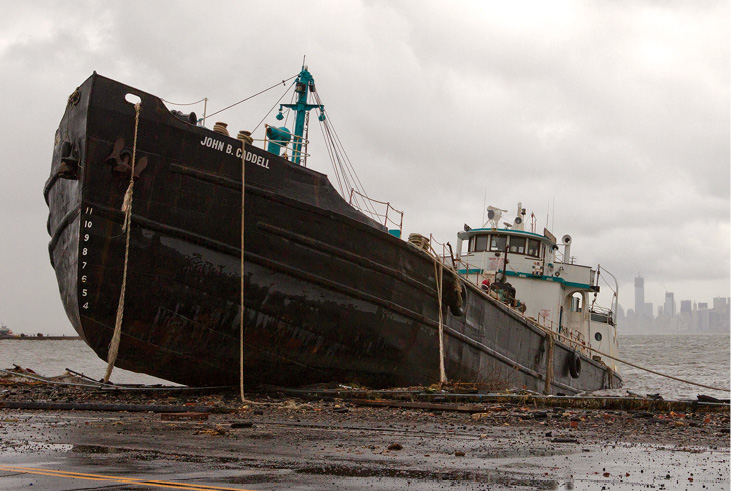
(304, 84)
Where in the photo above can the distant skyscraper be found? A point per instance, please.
(720, 304)
(686, 313)
(718, 317)
(685, 307)
(639, 295)
(669, 309)
(702, 316)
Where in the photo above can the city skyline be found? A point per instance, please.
(675, 314)
(677, 300)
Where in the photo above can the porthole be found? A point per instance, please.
(598, 336)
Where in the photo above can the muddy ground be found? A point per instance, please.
(277, 442)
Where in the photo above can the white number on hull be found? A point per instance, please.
(85, 252)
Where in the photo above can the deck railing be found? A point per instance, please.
(354, 195)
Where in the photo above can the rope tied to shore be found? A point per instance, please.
(439, 276)
(245, 138)
(634, 365)
(126, 227)
(549, 363)
(555, 335)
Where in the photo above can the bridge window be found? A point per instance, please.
(517, 244)
(534, 248)
(498, 242)
(478, 243)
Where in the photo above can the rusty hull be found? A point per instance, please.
(330, 294)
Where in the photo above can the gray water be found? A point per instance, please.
(702, 358)
(53, 357)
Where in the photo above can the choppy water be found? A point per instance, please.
(702, 358)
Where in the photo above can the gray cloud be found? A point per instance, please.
(617, 112)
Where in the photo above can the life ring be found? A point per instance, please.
(574, 364)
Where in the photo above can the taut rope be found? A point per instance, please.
(554, 334)
(438, 274)
(549, 363)
(244, 137)
(127, 209)
(677, 379)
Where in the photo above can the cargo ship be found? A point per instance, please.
(331, 294)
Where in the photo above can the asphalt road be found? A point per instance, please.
(295, 445)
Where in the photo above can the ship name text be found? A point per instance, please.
(230, 150)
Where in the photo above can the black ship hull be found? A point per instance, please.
(330, 295)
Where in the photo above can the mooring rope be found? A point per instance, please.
(549, 362)
(439, 277)
(241, 322)
(127, 209)
(677, 379)
(244, 137)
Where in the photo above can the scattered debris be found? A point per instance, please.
(182, 416)
(217, 431)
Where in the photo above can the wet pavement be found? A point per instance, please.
(294, 444)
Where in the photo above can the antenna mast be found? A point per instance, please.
(304, 85)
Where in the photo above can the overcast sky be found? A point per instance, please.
(616, 111)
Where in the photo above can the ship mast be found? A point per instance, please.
(304, 85)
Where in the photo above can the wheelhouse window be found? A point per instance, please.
(478, 243)
(517, 244)
(498, 242)
(534, 248)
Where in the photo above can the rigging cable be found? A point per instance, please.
(283, 82)
(336, 160)
(346, 175)
(187, 103)
(332, 160)
(272, 109)
(349, 165)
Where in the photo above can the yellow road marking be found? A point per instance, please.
(120, 479)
